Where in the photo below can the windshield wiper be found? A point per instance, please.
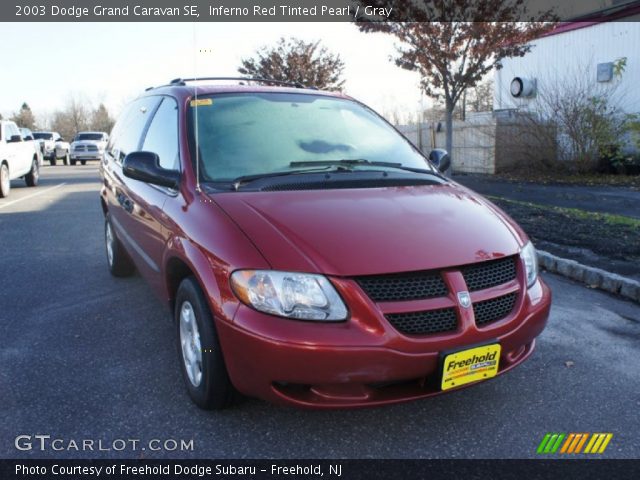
(238, 181)
(362, 162)
(338, 166)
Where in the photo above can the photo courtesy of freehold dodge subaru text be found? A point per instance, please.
(319, 239)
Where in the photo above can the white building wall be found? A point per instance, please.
(567, 54)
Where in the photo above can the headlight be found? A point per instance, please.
(528, 255)
(294, 295)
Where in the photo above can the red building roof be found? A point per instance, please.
(616, 12)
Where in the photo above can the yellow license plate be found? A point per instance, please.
(472, 365)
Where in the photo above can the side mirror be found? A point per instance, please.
(145, 166)
(440, 158)
(14, 139)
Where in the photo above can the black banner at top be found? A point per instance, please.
(312, 10)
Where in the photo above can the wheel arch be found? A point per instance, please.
(103, 204)
(186, 259)
(176, 270)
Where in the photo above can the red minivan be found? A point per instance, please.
(310, 254)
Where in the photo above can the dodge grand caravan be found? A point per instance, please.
(310, 255)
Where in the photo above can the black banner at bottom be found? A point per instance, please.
(316, 469)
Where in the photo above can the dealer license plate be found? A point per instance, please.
(472, 365)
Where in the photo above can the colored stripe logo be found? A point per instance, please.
(573, 443)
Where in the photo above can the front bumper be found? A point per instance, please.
(363, 361)
(85, 156)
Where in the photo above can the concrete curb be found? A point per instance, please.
(594, 277)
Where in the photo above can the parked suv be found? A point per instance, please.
(310, 255)
(88, 146)
(17, 158)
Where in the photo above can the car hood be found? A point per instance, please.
(372, 231)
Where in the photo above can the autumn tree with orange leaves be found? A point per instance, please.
(451, 44)
(297, 61)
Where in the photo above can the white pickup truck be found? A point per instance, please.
(17, 158)
(53, 146)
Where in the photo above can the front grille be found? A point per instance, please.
(489, 274)
(494, 309)
(409, 286)
(421, 323)
(79, 148)
(92, 148)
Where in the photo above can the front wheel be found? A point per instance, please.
(65, 159)
(73, 161)
(83, 162)
(53, 160)
(120, 265)
(202, 364)
(31, 178)
(5, 182)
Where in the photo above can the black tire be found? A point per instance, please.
(5, 182)
(31, 178)
(214, 391)
(72, 161)
(119, 262)
(53, 160)
(83, 162)
(65, 159)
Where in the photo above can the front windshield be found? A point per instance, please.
(258, 133)
(89, 136)
(43, 136)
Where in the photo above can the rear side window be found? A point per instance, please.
(130, 126)
(11, 130)
(162, 136)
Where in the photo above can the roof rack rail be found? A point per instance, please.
(183, 81)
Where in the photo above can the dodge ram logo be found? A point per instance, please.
(464, 299)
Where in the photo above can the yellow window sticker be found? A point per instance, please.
(200, 102)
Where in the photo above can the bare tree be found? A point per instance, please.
(101, 120)
(480, 97)
(294, 60)
(584, 117)
(74, 116)
(452, 56)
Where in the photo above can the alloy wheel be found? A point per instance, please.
(190, 344)
(109, 241)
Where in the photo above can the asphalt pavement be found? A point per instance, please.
(616, 200)
(84, 356)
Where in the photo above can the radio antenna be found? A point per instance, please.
(195, 103)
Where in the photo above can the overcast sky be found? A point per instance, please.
(113, 62)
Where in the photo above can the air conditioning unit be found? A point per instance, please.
(523, 87)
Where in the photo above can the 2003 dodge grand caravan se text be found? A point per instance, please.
(310, 254)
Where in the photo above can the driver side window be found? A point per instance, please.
(162, 135)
